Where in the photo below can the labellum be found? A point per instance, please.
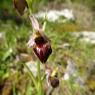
(20, 6)
(54, 81)
(42, 47)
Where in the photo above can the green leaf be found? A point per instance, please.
(29, 90)
(7, 54)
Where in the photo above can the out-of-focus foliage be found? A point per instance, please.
(14, 44)
(14, 33)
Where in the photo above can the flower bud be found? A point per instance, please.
(20, 6)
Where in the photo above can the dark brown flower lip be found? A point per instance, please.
(41, 46)
(42, 51)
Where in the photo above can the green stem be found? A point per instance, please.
(44, 25)
(43, 77)
(39, 73)
(31, 75)
(29, 2)
(14, 90)
(40, 87)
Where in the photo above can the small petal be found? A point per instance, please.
(31, 42)
(35, 23)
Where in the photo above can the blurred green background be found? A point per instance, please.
(14, 35)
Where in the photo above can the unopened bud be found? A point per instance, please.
(20, 6)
